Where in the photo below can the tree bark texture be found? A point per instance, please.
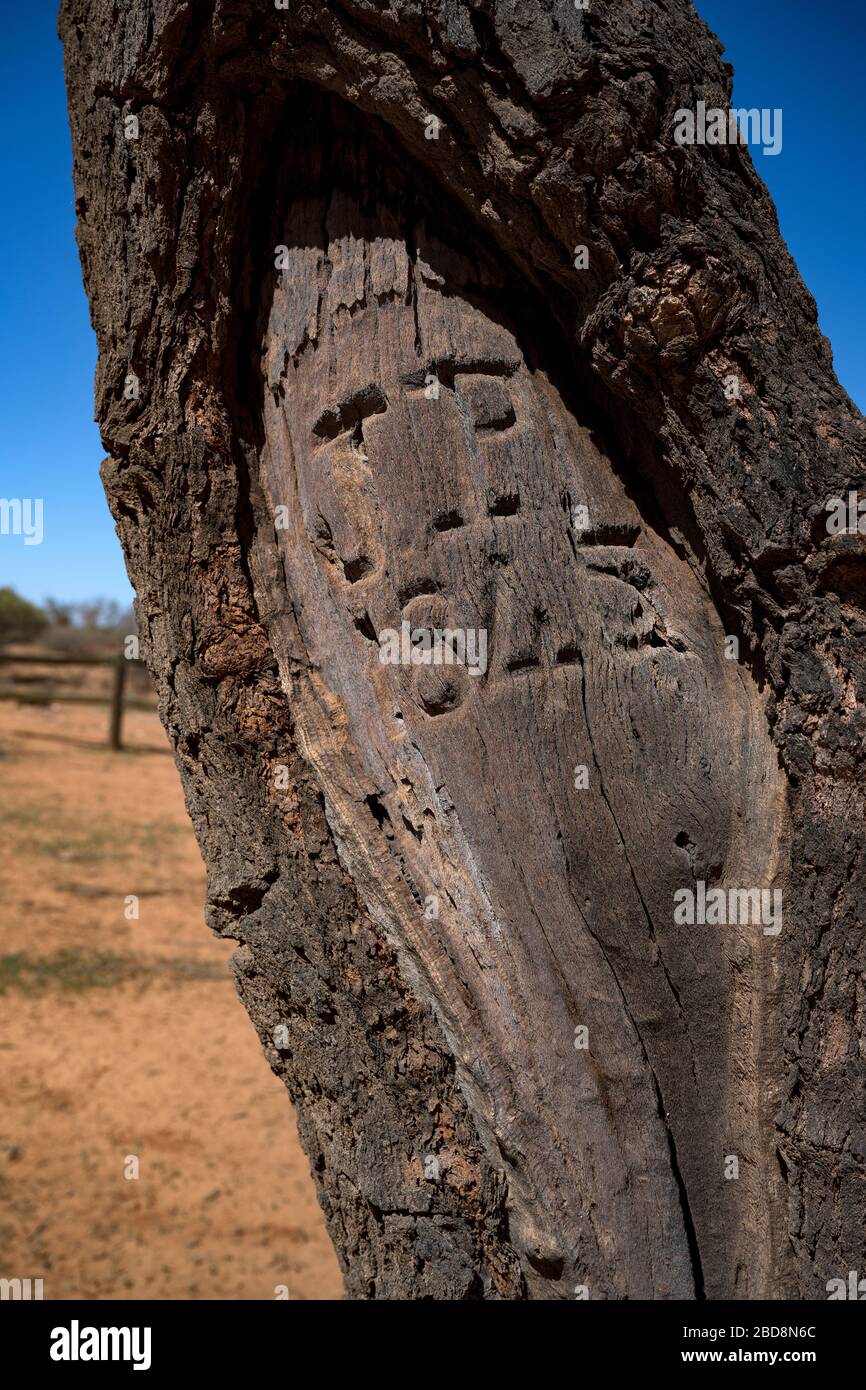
(338, 256)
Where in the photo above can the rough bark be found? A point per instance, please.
(405, 423)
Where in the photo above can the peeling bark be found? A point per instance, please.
(431, 416)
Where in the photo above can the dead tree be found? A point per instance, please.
(416, 319)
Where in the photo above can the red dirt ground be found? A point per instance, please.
(125, 1037)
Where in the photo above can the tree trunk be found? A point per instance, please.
(357, 380)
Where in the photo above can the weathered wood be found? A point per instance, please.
(28, 659)
(115, 699)
(52, 696)
(115, 720)
(428, 414)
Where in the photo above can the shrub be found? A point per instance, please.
(20, 621)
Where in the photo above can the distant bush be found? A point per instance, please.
(20, 621)
(94, 615)
(87, 628)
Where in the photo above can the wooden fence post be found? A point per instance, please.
(116, 717)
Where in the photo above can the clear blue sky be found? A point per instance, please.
(791, 54)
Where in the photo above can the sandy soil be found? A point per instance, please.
(123, 1037)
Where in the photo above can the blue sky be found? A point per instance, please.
(786, 53)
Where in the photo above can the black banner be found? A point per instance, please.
(79, 1339)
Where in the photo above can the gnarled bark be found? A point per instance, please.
(428, 415)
